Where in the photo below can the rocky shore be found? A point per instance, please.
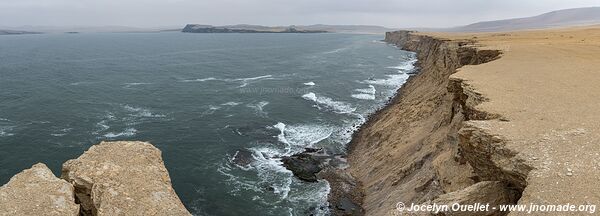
(488, 119)
(414, 150)
(111, 178)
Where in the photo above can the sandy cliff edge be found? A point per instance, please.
(509, 123)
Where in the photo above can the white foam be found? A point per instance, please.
(231, 103)
(310, 96)
(126, 133)
(309, 83)
(301, 136)
(336, 106)
(5, 131)
(259, 107)
(270, 170)
(281, 136)
(335, 51)
(61, 132)
(364, 96)
(366, 93)
(244, 81)
(129, 85)
(406, 66)
(210, 110)
(199, 80)
(392, 80)
(141, 112)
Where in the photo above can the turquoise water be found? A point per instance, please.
(199, 98)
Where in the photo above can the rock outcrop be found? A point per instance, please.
(36, 191)
(123, 178)
(111, 178)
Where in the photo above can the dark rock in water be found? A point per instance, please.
(243, 157)
(345, 206)
(305, 166)
(344, 197)
(311, 150)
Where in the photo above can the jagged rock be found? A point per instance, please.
(343, 197)
(494, 193)
(305, 166)
(36, 191)
(243, 157)
(123, 178)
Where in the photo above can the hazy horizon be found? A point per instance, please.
(176, 13)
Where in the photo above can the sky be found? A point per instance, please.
(163, 13)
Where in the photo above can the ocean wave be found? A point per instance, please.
(126, 133)
(61, 132)
(365, 94)
(141, 112)
(210, 110)
(392, 80)
(309, 83)
(243, 81)
(231, 103)
(406, 66)
(259, 107)
(129, 85)
(5, 131)
(199, 80)
(336, 106)
(335, 51)
(299, 137)
(270, 170)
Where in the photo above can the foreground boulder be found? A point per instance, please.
(36, 191)
(122, 178)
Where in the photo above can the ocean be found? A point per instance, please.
(199, 98)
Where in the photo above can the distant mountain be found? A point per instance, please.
(194, 28)
(13, 32)
(567, 17)
(319, 28)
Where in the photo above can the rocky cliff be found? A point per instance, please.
(111, 178)
(423, 147)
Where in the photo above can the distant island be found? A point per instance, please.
(12, 32)
(195, 28)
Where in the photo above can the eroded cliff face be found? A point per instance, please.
(427, 146)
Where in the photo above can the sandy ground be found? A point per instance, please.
(547, 85)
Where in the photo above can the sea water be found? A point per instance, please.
(199, 98)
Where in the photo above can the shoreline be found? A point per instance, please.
(429, 74)
(488, 119)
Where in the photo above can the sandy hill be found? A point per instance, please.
(559, 18)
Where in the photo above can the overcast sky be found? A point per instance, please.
(389, 13)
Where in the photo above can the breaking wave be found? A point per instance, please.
(336, 106)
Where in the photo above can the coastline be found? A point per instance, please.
(461, 53)
(458, 133)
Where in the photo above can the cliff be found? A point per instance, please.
(492, 118)
(111, 178)
(417, 149)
